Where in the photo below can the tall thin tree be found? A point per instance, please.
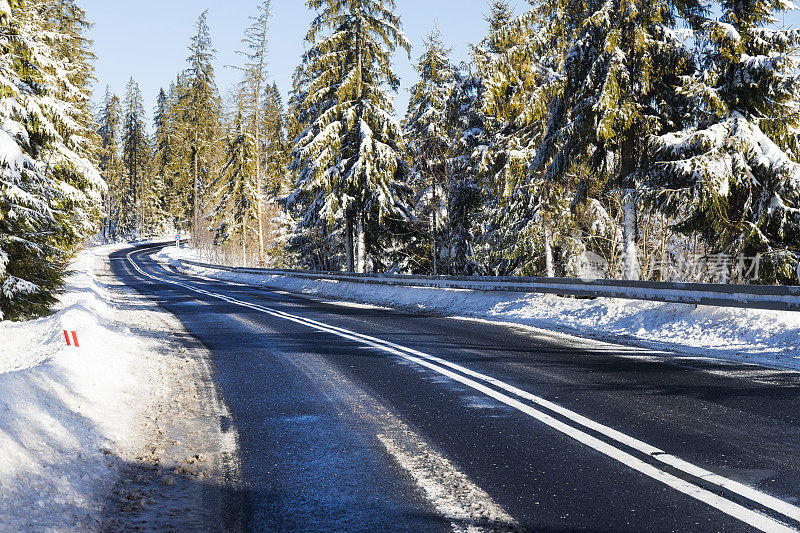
(256, 41)
(353, 147)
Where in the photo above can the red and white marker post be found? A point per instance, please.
(74, 338)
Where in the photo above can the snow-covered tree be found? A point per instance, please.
(200, 105)
(519, 62)
(312, 242)
(163, 153)
(255, 69)
(110, 163)
(274, 146)
(135, 158)
(50, 190)
(173, 142)
(616, 91)
(428, 138)
(277, 180)
(468, 129)
(235, 199)
(350, 157)
(733, 174)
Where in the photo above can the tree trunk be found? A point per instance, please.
(348, 244)
(362, 244)
(259, 80)
(630, 226)
(663, 258)
(244, 244)
(434, 227)
(196, 199)
(630, 252)
(548, 251)
(259, 184)
(325, 259)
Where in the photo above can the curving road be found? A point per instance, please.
(353, 418)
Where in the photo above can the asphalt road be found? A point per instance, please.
(353, 418)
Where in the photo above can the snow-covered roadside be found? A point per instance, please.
(73, 420)
(752, 336)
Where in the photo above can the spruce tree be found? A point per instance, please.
(49, 188)
(256, 41)
(518, 63)
(312, 242)
(110, 164)
(428, 137)
(135, 158)
(274, 143)
(615, 92)
(163, 152)
(235, 198)
(350, 157)
(200, 105)
(467, 127)
(178, 166)
(732, 174)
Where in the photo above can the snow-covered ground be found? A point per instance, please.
(73, 420)
(752, 336)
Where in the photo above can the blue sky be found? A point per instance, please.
(148, 39)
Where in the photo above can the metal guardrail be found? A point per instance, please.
(739, 296)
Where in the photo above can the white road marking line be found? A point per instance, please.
(455, 497)
(729, 507)
(468, 507)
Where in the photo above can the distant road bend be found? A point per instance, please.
(354, 418)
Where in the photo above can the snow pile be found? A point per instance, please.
(65, 410)
(755, 336)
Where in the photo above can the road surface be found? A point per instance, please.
(354, 418)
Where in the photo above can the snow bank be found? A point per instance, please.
(754, 336)
(64, 410)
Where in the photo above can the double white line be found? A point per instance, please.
(534, 407)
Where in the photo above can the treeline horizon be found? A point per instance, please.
(579, 140)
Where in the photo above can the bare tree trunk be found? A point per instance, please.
(630, 225)
(361, 267)
(434, 227)
(109, 208)
(196, 199)
(259, 80)
(348, 244)
(548, 251)
(663, 256)
(244, 243)
(630, 252)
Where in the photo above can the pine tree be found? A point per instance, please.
(312, 241)
(350, 157)
(73, 81)
(59, 29)
(615, 92)
(274, 142)
(49, 189)
(163, 153)
(276, 183)
(522, 219)
(235, 200)
(467, 127)
(135, 158)
(110, 164)
(178, 169)
(428, 137)
(201, 107)
(256, 41)
(732, 174)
